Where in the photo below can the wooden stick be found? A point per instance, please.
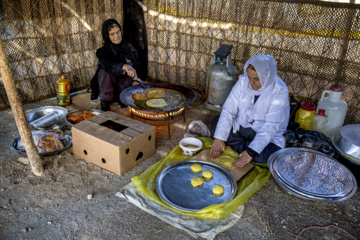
(19, 115)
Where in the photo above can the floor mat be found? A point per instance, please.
(196, 227)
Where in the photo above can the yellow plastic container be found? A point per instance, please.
(63, 93)
(304, 115)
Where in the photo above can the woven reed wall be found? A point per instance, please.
(45, 39)
(314, 44)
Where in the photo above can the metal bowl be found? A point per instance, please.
(347, 142)
(45, 118)
(312, 175)
(93, 111)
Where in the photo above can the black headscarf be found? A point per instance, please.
(122, 48)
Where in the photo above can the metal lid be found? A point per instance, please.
(351, 133)
(337, 88)
(308, 106)
(321, 112)
(312, 175)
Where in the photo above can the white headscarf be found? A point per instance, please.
(265, 67)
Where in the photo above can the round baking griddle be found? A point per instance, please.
(176, 97)
(174, 187)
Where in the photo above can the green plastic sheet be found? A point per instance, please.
(246, 187)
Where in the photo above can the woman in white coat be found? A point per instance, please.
(255, 115)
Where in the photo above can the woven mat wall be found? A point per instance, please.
(45, 39)
(314, 44)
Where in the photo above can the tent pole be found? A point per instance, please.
(19, 115)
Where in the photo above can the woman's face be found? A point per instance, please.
(115, 34)
(253, 79)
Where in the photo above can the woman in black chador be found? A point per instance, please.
(117, 65)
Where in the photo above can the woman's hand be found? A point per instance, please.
(217, 147)
(135, 83)
(244, 158)
(130, 71)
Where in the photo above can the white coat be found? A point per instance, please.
(268, 117)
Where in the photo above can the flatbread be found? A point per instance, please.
(76, 118)
(49, 143)
(139, 96)
(224, 161)
(88, 115)
(156, 102)
(156, 93)
(79, 117)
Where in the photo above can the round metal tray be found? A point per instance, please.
(174, 187)
(93, 111)
(67, 142)
(333, 175)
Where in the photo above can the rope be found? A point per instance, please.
(325, 228)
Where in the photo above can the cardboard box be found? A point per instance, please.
(113, 142)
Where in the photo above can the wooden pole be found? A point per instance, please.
(19, 115)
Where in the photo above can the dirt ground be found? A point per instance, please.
(56, 206)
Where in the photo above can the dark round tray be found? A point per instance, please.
(173, 185)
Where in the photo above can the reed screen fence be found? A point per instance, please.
(315, 44)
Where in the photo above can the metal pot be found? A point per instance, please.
(347, 142)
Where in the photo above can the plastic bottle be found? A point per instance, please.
(335, 109)
(304, 115)
(63, 92)
(318, 121)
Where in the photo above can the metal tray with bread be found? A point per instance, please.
(174, 187)
(66, 142)
(80, 115)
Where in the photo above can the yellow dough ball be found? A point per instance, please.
(196, 168)
(218, 190)
(207, 175)
(197, 182)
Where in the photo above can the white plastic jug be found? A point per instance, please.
(335, 109)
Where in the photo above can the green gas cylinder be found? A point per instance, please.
(63, 92)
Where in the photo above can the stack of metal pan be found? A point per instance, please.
(347, 143)
(312, 175)
(45, 118)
